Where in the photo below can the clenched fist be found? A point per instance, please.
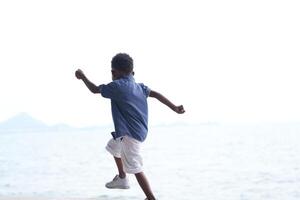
(179, 109)
(79, 74)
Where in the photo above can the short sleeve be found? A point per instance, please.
(146, 89)
(108, 91)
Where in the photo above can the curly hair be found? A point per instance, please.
(122, 62)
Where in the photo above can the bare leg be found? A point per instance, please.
(119, 163)
(143, 182)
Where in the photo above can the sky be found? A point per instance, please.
(225, 61)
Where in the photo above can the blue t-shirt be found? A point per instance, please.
(128, 106)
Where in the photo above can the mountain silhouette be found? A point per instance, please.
(22, 121)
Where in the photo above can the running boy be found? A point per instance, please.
(130, 116)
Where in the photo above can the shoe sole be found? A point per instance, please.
(123, 188)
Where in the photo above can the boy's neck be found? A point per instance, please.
(127, 75)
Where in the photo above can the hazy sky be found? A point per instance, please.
(223, 60)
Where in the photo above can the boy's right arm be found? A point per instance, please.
(91, 86)
(167, 102)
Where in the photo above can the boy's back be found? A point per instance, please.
(129, 106)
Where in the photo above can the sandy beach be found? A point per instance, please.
(48, 198)
(99, 197)
(44, 198)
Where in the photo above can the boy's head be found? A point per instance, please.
(121, 64)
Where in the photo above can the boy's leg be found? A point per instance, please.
(120, 181)
(143, 182)
(133, 163)
(114, 148)
(119, 164)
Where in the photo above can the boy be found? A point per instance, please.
(130, 117)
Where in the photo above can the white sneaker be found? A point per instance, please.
(118, 183)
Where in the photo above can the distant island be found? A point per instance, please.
(23, 122)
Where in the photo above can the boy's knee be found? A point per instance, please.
(114, 148)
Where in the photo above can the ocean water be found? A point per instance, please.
(209, 162)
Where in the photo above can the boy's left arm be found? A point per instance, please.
(167, 102)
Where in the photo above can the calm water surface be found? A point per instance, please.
(211, 162)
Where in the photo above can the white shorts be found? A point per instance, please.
(128, 149)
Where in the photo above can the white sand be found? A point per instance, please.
(42, 198)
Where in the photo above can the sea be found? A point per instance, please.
(237, 161)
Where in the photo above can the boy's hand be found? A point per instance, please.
(79, 74)
(179, 109)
